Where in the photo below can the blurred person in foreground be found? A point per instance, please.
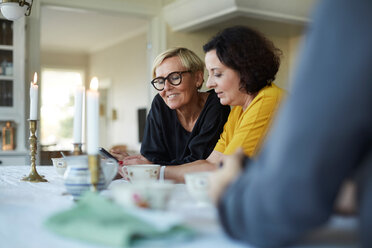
(183, 124)
(322, 137)
(242, 65)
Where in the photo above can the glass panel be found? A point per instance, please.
(6, 93)
(57, 108)
(6, 63)
(6, 34)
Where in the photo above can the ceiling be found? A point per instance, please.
(267, 27)
(83, 31)
(189, 15)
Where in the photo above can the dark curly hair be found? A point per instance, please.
(248, 52)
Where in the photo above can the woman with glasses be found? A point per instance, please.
(183, 124)
(242, 65)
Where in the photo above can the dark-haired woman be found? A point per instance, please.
(242, 65)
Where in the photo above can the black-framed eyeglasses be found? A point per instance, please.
(174, 78)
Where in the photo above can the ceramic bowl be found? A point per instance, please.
(144, 194)
(197, 184)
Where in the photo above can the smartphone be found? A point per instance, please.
(106, 154)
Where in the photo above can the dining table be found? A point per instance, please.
(24, 207)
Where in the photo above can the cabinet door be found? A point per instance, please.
(12, 83)
(6, 64)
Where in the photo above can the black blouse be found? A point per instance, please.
(165, 140)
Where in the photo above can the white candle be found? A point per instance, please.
(93, 118)
(34, 96)
(78, 114)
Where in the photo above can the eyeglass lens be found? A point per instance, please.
(174, 78)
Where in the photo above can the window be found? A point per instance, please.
(57, 107)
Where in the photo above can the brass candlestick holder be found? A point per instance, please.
(94, 168)
(33, 176)
(77, 149)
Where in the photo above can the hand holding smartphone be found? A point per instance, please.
(106, 154)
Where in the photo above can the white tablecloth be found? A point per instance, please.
(24, 206)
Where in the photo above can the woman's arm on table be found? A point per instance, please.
(178, 172)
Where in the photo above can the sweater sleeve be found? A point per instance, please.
(206, 133)
(322, 135)
(153, 145)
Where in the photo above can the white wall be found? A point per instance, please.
(57, 60)
(64, 59)
(124, 67)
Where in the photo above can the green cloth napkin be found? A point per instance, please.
(99, 220)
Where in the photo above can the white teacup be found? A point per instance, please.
(60, 165)
(145, 194)
(142, 172)
(197, 184)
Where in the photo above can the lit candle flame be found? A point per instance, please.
(94, 83)
(35, 78)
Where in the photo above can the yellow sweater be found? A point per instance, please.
(248, 128)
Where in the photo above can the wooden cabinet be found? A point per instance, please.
(12, 88)
(13, 158)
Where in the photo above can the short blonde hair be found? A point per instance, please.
(188, 58)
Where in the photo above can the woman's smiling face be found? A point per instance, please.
(224, 80)
(176, 96)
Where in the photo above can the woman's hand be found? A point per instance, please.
(220, 179)
(346, 201)
(135, 159)
(118, 154)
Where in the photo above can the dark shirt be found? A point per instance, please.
(165, 140)
(323, 135)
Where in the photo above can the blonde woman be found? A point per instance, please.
(183, 124)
